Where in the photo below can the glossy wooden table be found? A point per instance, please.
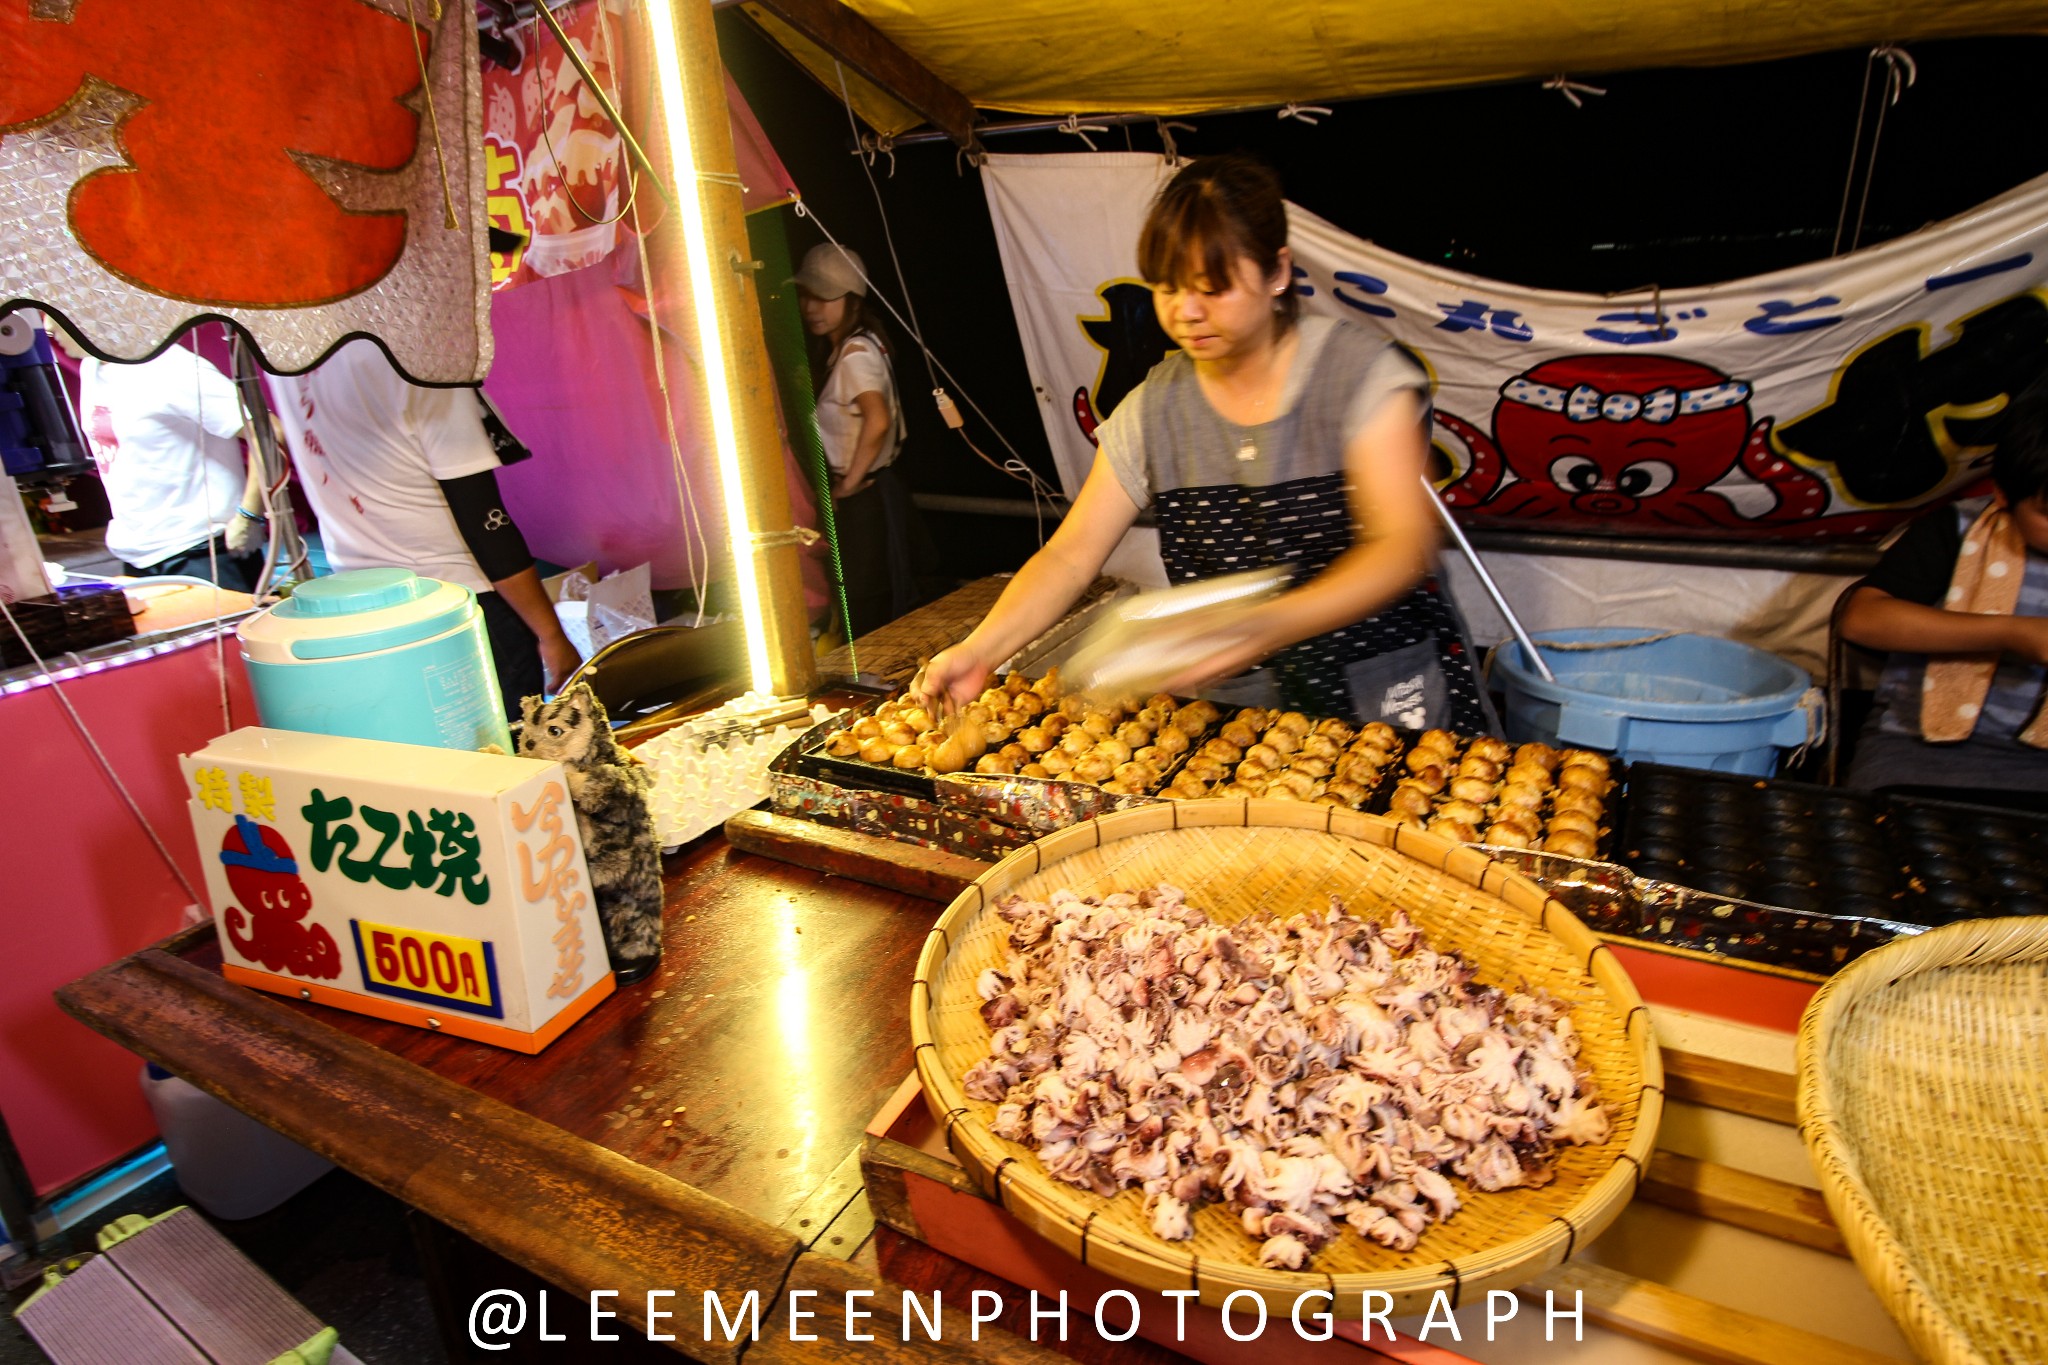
(695, 1133)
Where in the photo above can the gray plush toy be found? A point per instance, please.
(609, 788)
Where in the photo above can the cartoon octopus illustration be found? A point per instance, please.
(266, 926)
(1596, 440)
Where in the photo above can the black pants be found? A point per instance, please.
(862, 522)
(515, 651)
(229, 571)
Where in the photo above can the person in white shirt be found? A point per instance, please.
(860, 426)
(405, 476)
(168, 436)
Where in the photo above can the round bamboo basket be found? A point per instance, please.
(1922, 1073)
(1235, 857)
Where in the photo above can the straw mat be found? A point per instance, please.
(1236, 857)
(1923, 1099)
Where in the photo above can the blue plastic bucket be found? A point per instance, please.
(1696, 701)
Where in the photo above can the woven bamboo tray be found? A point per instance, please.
(1923, 1091)
(1234, 857)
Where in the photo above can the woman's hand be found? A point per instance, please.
(955, 675)
(1224, 652)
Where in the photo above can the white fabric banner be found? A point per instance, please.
(1828, 400)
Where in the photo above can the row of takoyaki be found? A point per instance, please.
(1286, 756)
(1484, 791)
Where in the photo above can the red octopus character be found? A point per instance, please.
(266, 927)
(1594, 440)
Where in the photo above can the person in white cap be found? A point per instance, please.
(860, 426)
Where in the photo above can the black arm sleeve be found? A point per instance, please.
(487, 528)
(1920, 563)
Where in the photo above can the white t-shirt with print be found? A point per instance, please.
(163, 434)
(371, 449)
(862, 368)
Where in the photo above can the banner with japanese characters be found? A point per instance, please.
(1833, 399)
(308, 178)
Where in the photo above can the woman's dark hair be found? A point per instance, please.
(2019, 466)
(865, 319)
(1215, 210)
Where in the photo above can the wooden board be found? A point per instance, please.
(1706, 1331)
(1695, 1079)
(928, 873)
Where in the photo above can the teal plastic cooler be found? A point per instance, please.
(377, 654)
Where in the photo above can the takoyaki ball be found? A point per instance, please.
(1077, 741)
(1203, 711)
(1420, 758)
(1149, 753)
(1300, 784)
(1380, 733)
(1251, 770)
(877, 750)
(1371, 753)
(1442, 741)
(1474, 766)
(1491, 749)
(977, 740)
(1317, 768)
(1238, 733)
(1574, 822)
(910, 756)
(1207, 767)
(1152, 718)
(1280, 791)
(1034, 739)
(868, 728)
(1016, 683)
(1469, 812)
(1528, 775)
(1538, 756)
(994, 732)
(1055, 724)
(1223, 749)
(1584, 758)
(1101, 724)
(1431, 779)
(1333, 728)
(1170, 741)
(979, 713)
(1133, 734)
(1581, 777)
(1073, 706)
(1056, 761)
(1507, 836)
(1410, 799)
(1513, 817)
(1012, 719)
(1115, 750)
(1188, 721)
(1048, 687)
(1571, 799)
(1349, 792)
(1030, 703)
(1186, 789)
(1258, 717)
(1034, 770)
(1161, 701)
(844, 744)
(1461, 830)
(916, 717)
(1520, 796)
(1266, 754)
(1234, 791)
(1358, 768)
(995, 765)
(1331, 799)
(1136, 775)
(1118, 787)
(1569, 842)
(1409, 817)
(1093, 767)
(1474, 789)
(1322, 746)
(995, 699)
(1295, 721)
(1286, 741)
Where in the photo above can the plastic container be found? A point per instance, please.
(226, 1162)
(377, 654)
(1695, 701)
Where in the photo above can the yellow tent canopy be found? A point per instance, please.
(1058, 57)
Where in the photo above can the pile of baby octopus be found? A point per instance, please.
(1309, 1072)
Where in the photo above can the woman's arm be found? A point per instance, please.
(1043, 589)
(876, 422)
(1395, 533)
(1877, 620)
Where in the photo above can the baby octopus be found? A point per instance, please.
(1308, 1072)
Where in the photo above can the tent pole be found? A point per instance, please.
(1500, 602)
(705, 248)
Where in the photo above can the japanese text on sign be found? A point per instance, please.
(442, 851)
(548, 874)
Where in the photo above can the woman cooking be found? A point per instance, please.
(1266, 439)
